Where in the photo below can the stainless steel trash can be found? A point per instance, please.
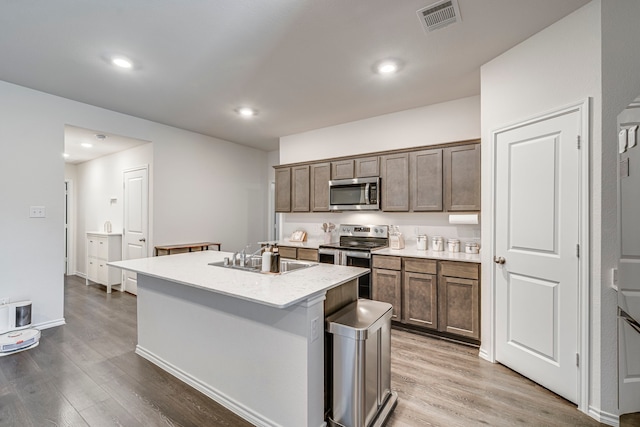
(361, 365)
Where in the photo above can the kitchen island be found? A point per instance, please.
(252, 342)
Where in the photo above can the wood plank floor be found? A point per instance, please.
(86, 373)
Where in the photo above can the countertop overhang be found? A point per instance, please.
(275, 290)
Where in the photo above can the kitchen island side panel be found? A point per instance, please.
(258, 361)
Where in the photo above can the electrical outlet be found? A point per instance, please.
(4, 301)
(315, 333)
(37, 212)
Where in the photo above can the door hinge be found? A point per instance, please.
(578, 142)
(578, 250)
(578, 360)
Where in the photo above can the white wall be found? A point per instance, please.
(451, 121)
(457, 120)
(204, 188)
(98, 181)
(579, 57)
(273, 159)
(208, 189)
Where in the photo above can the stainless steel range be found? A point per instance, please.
(354, 249)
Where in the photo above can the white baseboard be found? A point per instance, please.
(50, 324)
(79, 274)
(221, 398)
(484, 355)
(604, 417)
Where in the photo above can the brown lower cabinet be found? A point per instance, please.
(441, 296)
(291, 252)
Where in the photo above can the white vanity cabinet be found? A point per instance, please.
(103, 248)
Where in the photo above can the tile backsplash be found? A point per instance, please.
(410, 224)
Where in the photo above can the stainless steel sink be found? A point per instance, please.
(254, 264)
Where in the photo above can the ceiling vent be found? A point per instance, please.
(439, 14)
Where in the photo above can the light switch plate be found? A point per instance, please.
(37, 212)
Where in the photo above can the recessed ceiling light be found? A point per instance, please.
(122, 62)
(65, 155)
(387, 67)
(247, 112)
(86, 145)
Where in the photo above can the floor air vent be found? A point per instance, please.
(439, 14)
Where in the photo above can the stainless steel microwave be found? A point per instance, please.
(356, 194)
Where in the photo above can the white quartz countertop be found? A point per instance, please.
(412, 251)
(276, 290)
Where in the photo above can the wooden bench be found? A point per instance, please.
(185, 247)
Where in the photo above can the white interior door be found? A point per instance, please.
(536, 247)
(136, 222)
(629, 274)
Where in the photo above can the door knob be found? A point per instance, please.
(499, 260)
(142, 240)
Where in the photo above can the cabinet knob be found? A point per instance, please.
(499, 260)
(142, 240)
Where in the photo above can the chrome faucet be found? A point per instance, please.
(242, 256)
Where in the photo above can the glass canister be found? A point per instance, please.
(437, 244)
(471, 248)
(421, 242)
(453, 245)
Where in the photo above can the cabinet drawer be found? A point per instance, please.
(387, 262)
(465, 270)
(288, 252)
(418, 265)
(308, 254)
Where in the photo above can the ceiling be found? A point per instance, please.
(81, 144)
(304, 64)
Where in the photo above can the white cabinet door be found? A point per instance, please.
(103, 248)
(92, 269)
(92, 246)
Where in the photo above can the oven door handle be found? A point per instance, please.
(355, 254)
(323, 251)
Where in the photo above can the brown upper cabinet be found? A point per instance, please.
(300, 188)
(426, 180)
(342, 169)
(360, 167)
(320, 175)
(367, 166)
(462, 178)
(394, 178)
(429, 179)
(283, 190)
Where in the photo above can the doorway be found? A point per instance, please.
(69, 264)
(539, 232)
(94, 165)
